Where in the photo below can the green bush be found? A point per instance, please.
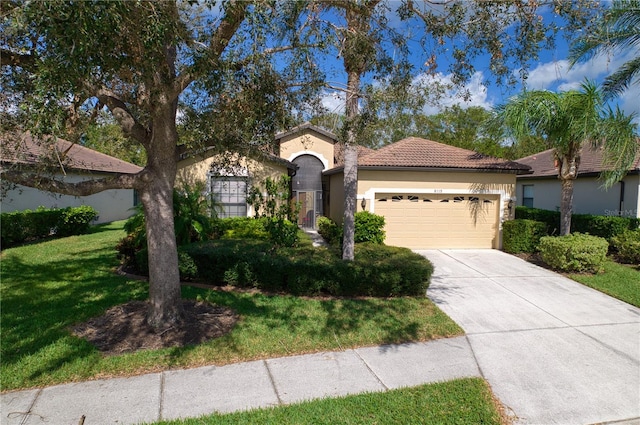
(377, 270)
(574, 253)
(385, 271)
(627, 246)
(75, 220)
(522, 235)
(329, 230)
(550, 218)
(22, 226)
(604, 226)
(596, 225)
(369, 227)
(239, 228)
(186, 266)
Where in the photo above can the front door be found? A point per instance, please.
(307, 216)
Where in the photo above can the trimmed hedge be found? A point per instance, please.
(574, 253)
(22, 226)
(377, 270)
(369, 227)
(627, 246)
(597, 225)
(522, 235)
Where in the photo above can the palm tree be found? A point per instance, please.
(567, 121)
(617, 30)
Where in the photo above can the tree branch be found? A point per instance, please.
(130, 126)
(83, 188)
(234, 15)
(11, 58)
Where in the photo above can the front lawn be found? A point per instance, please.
(50, 286)
(621, 281)
(463, 401)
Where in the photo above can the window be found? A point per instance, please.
(396, 198)
(413, 198)
(527, 195)
(230, 195)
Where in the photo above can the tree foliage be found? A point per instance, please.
(567, 122)
(65, 62)
(616, 31)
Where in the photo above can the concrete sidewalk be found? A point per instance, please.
(554, 352)
(195, 392)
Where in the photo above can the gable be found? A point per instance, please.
(308, 140)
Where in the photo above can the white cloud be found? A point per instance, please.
(333, 101)
(557, 75)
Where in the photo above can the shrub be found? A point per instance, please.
(522, 235)
(377, 270)
(277, 209)
(574, 253)
(369, 227)
(239, 228)
(191, 223)
(604, 226)
(596, 225)
(329, 230)
(627, 246)
(75, 220)
(186, 266)
(550, 218)
(387, 271)
(22, 226)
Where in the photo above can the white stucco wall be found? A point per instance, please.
(588, 196)
(111, 205)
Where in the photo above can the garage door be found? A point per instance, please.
(420, 221)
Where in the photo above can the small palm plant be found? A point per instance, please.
(192, 211)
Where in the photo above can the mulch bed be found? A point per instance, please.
(124, 328)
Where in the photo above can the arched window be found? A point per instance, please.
(309, 174)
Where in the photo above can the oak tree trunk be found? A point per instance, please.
(157, 198)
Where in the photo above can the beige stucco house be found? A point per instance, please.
(228, 178)
(541, 188)
(76, 163)
(431, 195)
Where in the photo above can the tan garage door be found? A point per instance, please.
(420, 221)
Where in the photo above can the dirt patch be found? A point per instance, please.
(124, 329)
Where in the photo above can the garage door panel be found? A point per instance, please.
(439, 220)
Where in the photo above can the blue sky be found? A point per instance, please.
(550, 72)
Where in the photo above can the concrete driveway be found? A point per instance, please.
(553, 350)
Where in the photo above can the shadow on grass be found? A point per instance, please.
(41, 300)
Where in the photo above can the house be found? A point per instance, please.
(76, 163)
(229, 178)
(541, 188)
(431, 195)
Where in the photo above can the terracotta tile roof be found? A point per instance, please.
(416, 152)
(542, 163)
(26, 150)
(338, 153)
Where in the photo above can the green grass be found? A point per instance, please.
(618, 280)
(50, 286)
(463, 401)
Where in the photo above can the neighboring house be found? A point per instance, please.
(75, 163)
(541, 189)
(431, 195)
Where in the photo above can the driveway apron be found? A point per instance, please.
(554, 351)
